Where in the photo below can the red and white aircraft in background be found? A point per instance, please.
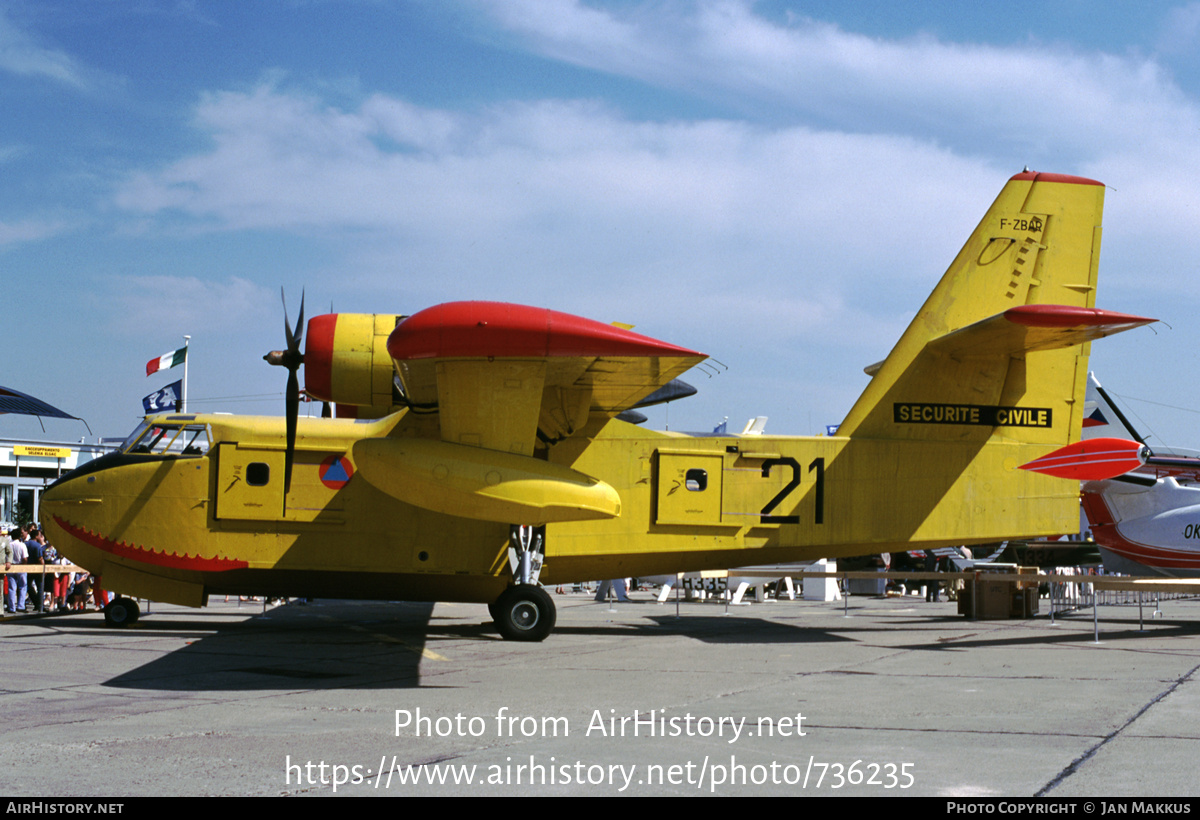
(1142, 504)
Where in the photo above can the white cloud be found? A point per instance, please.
(22, 54)
(1181, 30)
(544, 186)
(926, 128)
(163, 306)
(1050, 100)
(1119, 118)
(29, 230)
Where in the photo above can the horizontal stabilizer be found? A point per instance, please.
(1091, 459)
(1035, 327)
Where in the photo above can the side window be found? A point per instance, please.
(258, 474)
(689, 487)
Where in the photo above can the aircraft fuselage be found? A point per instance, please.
(176, 526)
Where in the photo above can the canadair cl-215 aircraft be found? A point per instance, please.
(487, 456)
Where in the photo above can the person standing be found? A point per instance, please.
(6, 554)
(35, 544)
(932, 585)
(17, 581)
(57, 581)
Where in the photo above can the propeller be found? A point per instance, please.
(291, 358)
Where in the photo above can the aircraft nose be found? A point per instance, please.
(73, 513)
(69, 489)
(74, 500)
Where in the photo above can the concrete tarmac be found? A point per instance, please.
(900, 698)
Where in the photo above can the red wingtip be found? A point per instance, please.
(1090, 460)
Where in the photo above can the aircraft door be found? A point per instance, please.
(689, 487)
(249, 483)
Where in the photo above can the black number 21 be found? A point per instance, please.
(817, 464)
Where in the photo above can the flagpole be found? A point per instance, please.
(183, 394)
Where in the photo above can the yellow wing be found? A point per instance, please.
(501, 375)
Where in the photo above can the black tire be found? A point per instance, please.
(524, 613)
(121, 612)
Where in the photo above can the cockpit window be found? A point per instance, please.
(169, 439)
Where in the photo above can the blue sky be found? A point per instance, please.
(778, 184)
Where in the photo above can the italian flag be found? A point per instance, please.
(166, 361)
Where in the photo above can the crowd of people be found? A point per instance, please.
(30, 583)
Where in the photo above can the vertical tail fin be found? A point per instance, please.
(1000, 347)
(1102, 418)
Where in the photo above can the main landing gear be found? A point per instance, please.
(121, 612)
(524, 613)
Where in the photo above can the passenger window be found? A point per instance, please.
(696, 480)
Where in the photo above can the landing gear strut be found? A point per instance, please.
(524, 613)
(526, 553)
(121, 612)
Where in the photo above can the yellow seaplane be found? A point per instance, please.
(486, 454)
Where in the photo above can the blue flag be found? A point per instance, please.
(164, 400)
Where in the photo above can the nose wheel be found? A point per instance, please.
(121, 612)
(524, 613)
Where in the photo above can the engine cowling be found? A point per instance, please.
(346, 361)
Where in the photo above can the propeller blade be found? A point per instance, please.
(300, 323)
(291, 358)
(287, 323)
(293, 411)
(293, 339)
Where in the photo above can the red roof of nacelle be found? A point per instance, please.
(474, 329)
